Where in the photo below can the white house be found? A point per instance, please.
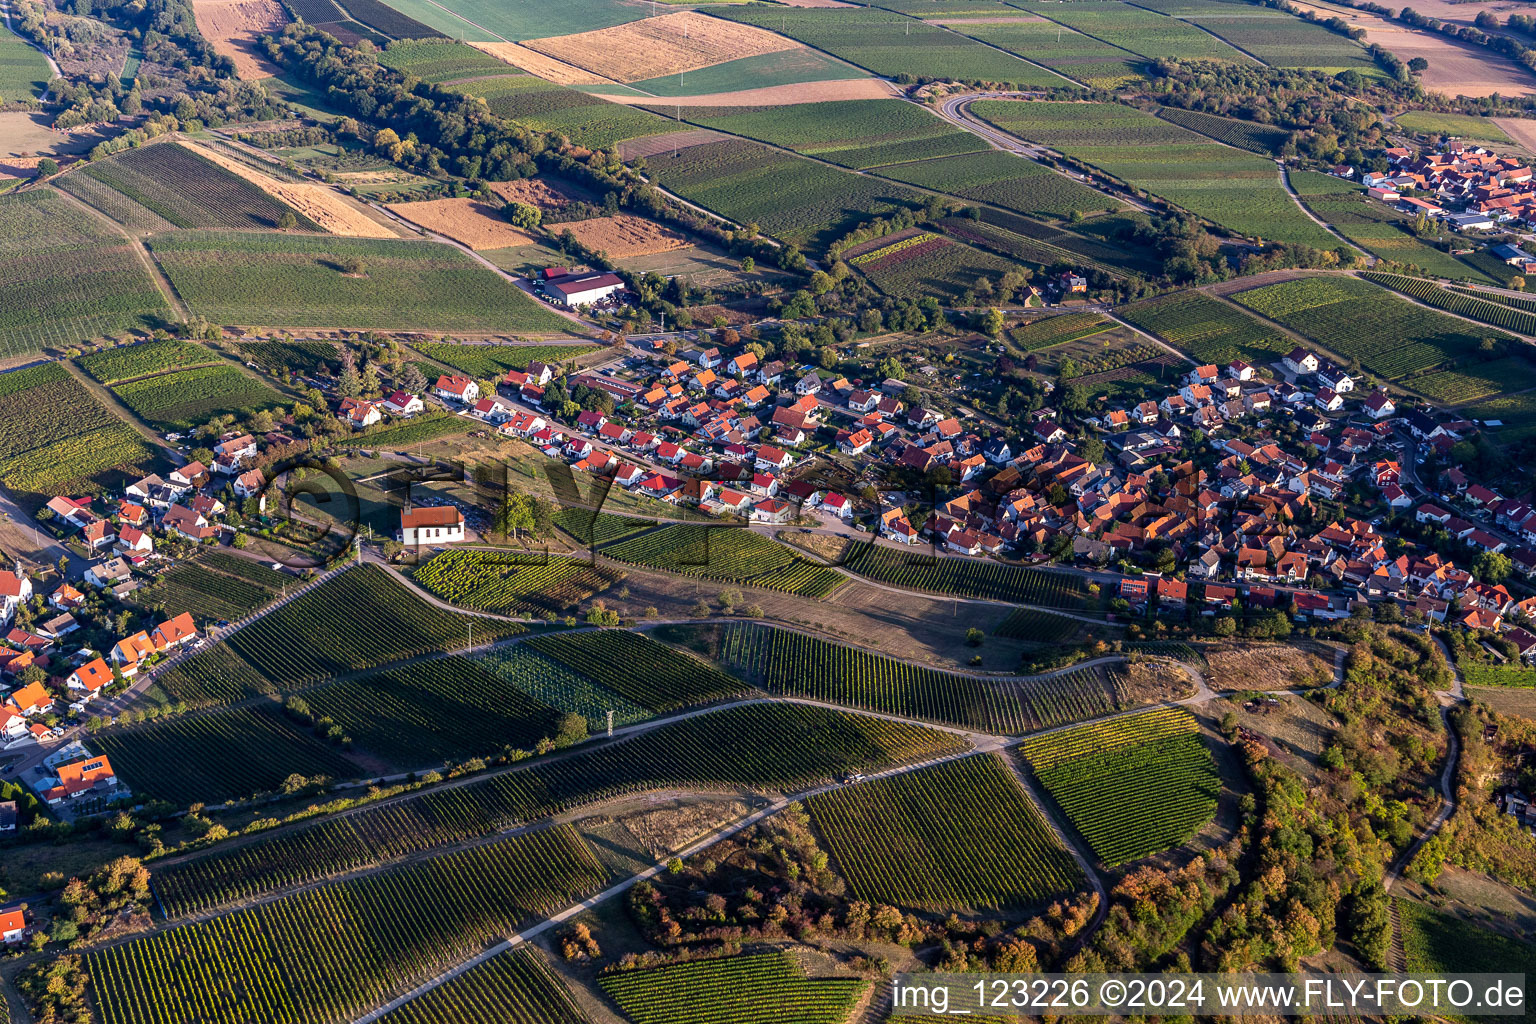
(1379, 406)
(456, 387)
(442, 525)
(1301, 362)
(15, 589)
(403, 403)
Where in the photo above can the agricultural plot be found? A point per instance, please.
(1080, 57)
(1479, 673)
(24, 72)
(490, 361)
(141, 360)
(111, 203)
(515, 987)
(224, 755)
(961, 834)
(854, 133)
(794, 200)
(544, 106)
(561, 688)
(786, 662)
(54, 432)
(785, 747)
(890, 44)
(491, 20)
(186, 398)
(1005, 180)
(1037, 627)
(1359, 320)
(598, 529)
(1458, 302)
(967, 577)
(1263, 139)
(637, 668)
(441, 60)
(1210, 330)
(1133, 786)
(730, 555)
(417, 430)
(795, 66)
(307, 281)
(1138, 30)
(1515, 414)
(923, 264)
(1237, 190)
(1028, 248)
(305, 358)
(508, 583)
(1377, 228)
(766, 988)
(432, 713)
(1057, 330)
(670, 44)
(341, 949)
(70, 277)
(209, 594)
(1435, 942)
(1466, 126)
(175, 183)
(1287, 42)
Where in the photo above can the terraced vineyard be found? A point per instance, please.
(53, 431)
(960, 834)
(511, 584)
(730, 555)
(339, 950)
(560, 687)
(650, 674)
(793, 663)
(1459, 302)
(766, 988)
(1133, 786)
(770, 746)
(515, 987)
(967, 577)
(1208, 329)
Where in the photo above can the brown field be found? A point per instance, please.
(1522, 130)
(532, 191)
(774, 95)
(650, 145)
(322, 204)
(466, 221)
(232, 27)
(653, 47)
(1265, 667)
(624, 235)
(1455, 69)
(536, 63)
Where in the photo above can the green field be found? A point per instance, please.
(787, 67)
(1359, 320)
(767, 988)
(53, 432)
(140, 360)
(441, 60)
(510, 583)
(890, 44)
(1377, 228)
(1236, 189)
(24, 71)
(1516, 413)
(1435, 942)
(1137, 30)
(1210, 330)
(1004, 180)
(179, 185)
(544, 106)
(962, 834)
(1057, 330)
(490, 361)
(1282, 41)
(1266, 140)
(70, 277)
(302, 281)
(1133, 786)
(185, 398)
(1428, 122)
(728, 554)
(1083, 58)
(565, 689)
(927, 264)
(794, 200)
(515, 987)
(484, 21)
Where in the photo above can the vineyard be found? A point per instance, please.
(729, 555)
(511, 584)
(1004, 179)
(1457, 302)
(637, 668)
(1477, 673)
(205, 590)
(1513, 302)
(1139, 30)
(489, 361)
(1380, 229)
(1083, 58)
(565, 689)
(515, 987)
(301, 357)
(860, 134)
(1037, 627)
(543, 106)
(53, 431)
(24, 71)
(185, 398)
(339, 950)
(1133, 786)
(935, 266)
(190, 192)
(1359, 320)
(786, 662)
(1210, 330)
(1057, 330)
(1474, 381)
(961, 834)
(304, 281)
(70, 277)
(765, 988)
(1288, 42)
(598, 529)
(767, 746)
(441, 60)
(1264, 139)
(225, 755)
(128, 361)
(967, 577)
(893, 248)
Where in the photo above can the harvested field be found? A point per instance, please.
(773, 95)
(536, 63)
(320, 203)
(530, 191)
(1455, 69)
(1522, 130)
(652, 47)
(1265, 667)
(653, 144)
(624, 235)
(233, 28)
(466, 221)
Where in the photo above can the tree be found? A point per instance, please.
(524, 216)
(1092, 449)
(1491, 567)
(515, 515)
(748, 265)
(47, 168)
(974, 637)
(992, 323)
(1517, 283)
(287, 222)
(1418, 65)
(412, 379)
(890, 368)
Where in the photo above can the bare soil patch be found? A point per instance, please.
(772, 95)
(1455, 69)
(535, 63)
(673, 826)
(653, 47)
(1522, 130)
(26, 135)
(650, 145)
(233, 27)
(533, 192)
(320, 203)
(1157, 680)
(624, 235)
(467, 221)
(1266, 667)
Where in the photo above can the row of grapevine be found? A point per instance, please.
(511, 583)
(638, 668)
(728, 555)
(968, 577)
(558, 686)
(1036, 626)
(766, 988)
(1461, 301)
(516, 987)
(961, 834)
(768, 746)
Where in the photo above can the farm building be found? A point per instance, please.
(573, 290)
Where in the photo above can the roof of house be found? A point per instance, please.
(442, 515)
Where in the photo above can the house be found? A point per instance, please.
(236, 448)
(193, 474)
(539, 373)
(863, 401)
(127, 654)
(440, 525)
(58, 626)
(771, 510)
(741, 364)
(572, 290)
(129, 514)
(1134, 590)
(13, 921)
(89, 678)
(81, 779)
(837, 505)
(1379, 406)
(1335, 379)
(457, 387)
(771, 458)
(997, 452)
(494, 410)
(105, 574)
(359, 413)
(66, 598)
(187, 522)
(856, 443)
(32, 699)
(1328, 400)
(249, 485)
(1301, 362)
(809, 384)
(894, 525)
(403, 403)
(1172, 593)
